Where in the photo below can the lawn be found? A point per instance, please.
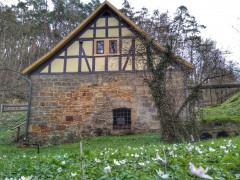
(229, 110)
(123, 157)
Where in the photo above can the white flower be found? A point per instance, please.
(65, 155)
(116, 162)
(171, 153)
(159, 158)
(197, 148)
(222, 147)
(212, 142)
(234, 146)
(101, 153)
(157, 150)
(136, 155)
(211, 149)
(127, 154)
(24, 155)
(4, 156)
(107, 169)
(141, 164)
(162, 175)
(226, 151)
(26, 178)
(63, 162)
(200, 152)
(200, 172)
(123, 161)
(147, 162)
(73, 174)
(59, 169)
(97, 160)
(190, 148)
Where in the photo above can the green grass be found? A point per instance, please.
(17, 162)
(229, 110)
(95, 144)
(10, 120)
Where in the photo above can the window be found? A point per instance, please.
(103, 47)
(113, 46)
(122, 118)
(100, 47)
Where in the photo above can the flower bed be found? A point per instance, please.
(154, 161)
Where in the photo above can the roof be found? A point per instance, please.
(80, 27)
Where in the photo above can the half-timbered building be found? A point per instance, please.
(89, 83)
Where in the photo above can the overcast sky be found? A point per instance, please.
(219, 16)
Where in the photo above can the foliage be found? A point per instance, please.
(228, 110)
(172, 126)
(28, 30)
(183, 33)
(181, 37)
(124, 161)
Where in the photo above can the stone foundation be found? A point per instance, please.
(218, 128)
(64, 107)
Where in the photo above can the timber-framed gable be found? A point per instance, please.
(80, 55)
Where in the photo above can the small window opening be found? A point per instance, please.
(222, 134)
(100, 47)
(205, 136)
(113, 46)
(106, 13)
(122, 118)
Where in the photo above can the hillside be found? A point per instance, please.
(229, 110)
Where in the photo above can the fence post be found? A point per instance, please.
(18, 132)
(1, 108)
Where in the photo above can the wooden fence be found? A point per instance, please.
(13, 108)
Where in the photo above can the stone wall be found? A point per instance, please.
(218, 128)
(64, 107)
(213, 97)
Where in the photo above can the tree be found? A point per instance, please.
(28, 30)
(128, 10)
(181, 36)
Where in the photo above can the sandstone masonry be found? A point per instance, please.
(64, 107)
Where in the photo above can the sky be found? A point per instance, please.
(219, 16)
